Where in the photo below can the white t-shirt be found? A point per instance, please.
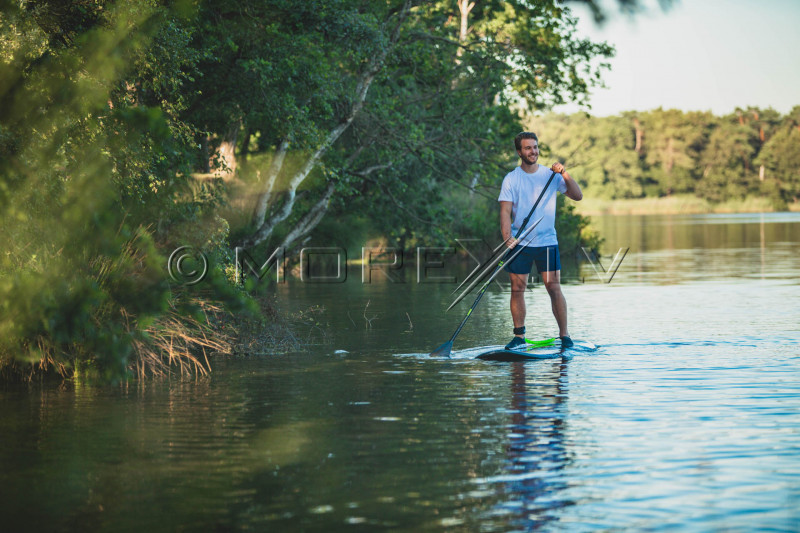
(522, 190)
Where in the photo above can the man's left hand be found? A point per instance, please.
(558, 168)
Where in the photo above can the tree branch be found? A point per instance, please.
(312, 218)
(272, 175)
(266, 227)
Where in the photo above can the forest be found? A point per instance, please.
(131, 129)
(749, 153)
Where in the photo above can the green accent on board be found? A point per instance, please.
(542, 342)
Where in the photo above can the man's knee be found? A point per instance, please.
(552, 286)
(519, 282)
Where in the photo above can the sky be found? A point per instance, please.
(699, 55)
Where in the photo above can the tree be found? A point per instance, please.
(780, 159)
(392, 107)
(723, 174)
(663, 152)
(352, 107)
(89, 157)
(602, 148)
(670, 148)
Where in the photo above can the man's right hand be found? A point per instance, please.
(511, 242)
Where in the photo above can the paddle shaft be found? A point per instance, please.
(503, 261)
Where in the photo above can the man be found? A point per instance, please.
(521, 187)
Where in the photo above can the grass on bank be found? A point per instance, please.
(675, 205)
(173, 345)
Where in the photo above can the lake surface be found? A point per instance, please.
(687, 417)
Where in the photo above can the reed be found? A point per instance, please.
(176, 343)
(679, 204)
(112, 317)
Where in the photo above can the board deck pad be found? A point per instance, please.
(537, 350)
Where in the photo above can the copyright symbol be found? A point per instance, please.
(187, 266)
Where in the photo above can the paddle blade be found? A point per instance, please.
(443, 350)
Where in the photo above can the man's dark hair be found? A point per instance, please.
(524, 135)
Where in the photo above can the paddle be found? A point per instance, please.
(445, 349)
(492, 258)
(503, 259)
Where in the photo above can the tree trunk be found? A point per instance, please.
(464, 6)
(312, 218)
(639, 136)
(265, 226)
(227, 148)
(272, 175)
(245, 151)
(670, 155)
(205, 156)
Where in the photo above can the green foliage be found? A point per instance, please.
(107, 109)
(278, 67)
(573, 231)
(780, 158)
(93, 171)
(422, 160)
(436, 134)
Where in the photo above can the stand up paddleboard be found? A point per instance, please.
(543, 349)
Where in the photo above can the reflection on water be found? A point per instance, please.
(530, 488)
(680, 248)
(685, 418)
(675, 232)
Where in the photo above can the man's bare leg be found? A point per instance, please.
(552, 282)
(519, 282)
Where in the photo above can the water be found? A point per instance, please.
(686, 418)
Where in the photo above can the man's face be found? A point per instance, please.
(529, 152)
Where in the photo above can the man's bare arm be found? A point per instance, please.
(573, 189)
(505, 224)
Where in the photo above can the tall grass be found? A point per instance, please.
(108, 333)
(179, 344)
(671, 205)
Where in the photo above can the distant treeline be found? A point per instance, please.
(751, 152)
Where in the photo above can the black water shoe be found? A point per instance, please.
(515, 343)
(566, 342)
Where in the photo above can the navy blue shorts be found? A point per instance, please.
(546, 258)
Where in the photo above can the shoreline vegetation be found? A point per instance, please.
(673, 161)
(676, 205)
(130, 131)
